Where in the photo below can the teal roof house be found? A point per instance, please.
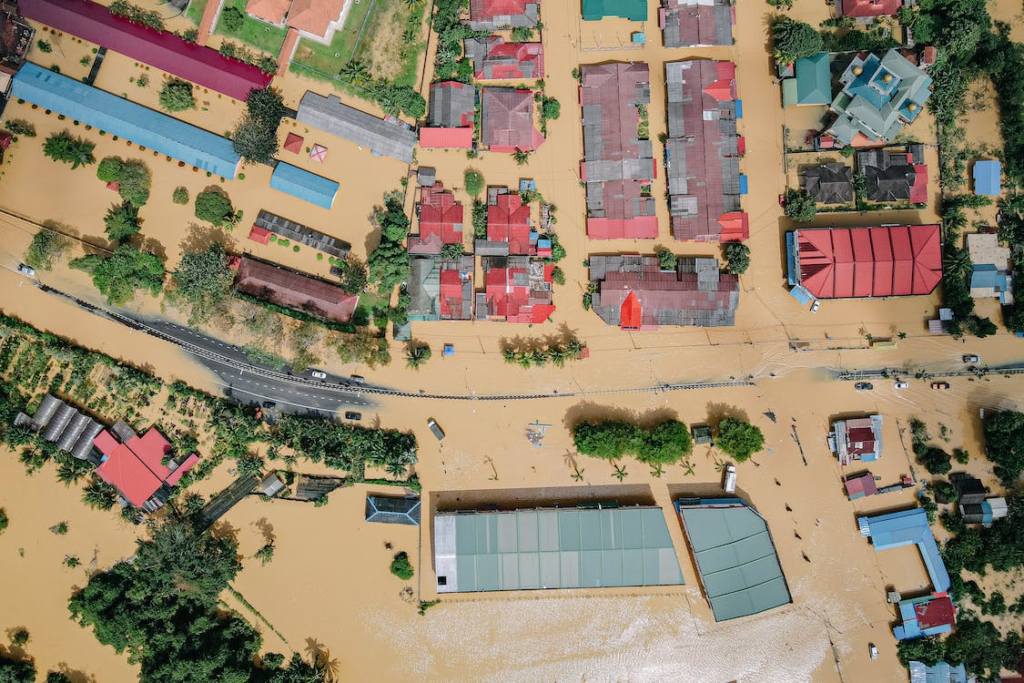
(880, 96)
(812, 85)
(634, 10)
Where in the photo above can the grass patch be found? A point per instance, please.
(195, 11)
(256, 33)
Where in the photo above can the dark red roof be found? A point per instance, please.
(860, 440)
(878, 262)
(440, 214)
(638, 227)
(936, 612)
(508, 120)
(451, 294)
(483, 10)
(511, 297)
(864, 484)
(509, 221)
(261, 235)
(293, 143)
(294, 290)
(164, 50)
(505, 61)
(919, 190)
(446, 138)
(184, 467)
(871, 8)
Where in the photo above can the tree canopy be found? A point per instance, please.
(132, 175)
(202, 281)
(737, 256)
(122, 221)
(176, 95)
(1004, 443)
(800, 205)
(121, 274)
(739, 439)
(46, 247)
(12, 671)
(214, 207)
(389, 262)
(255, 137)
(66, 148)
(793, 40)
(666, 442)
(474, 181)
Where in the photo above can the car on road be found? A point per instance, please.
(971, 358)
(438, 432)
(816, 305)
(358, 379)
(941, 386)
(269, 405)
(353, 415)
(872, 651)
(26, 270)
(900, 385)
(863, 386)
(317, 374)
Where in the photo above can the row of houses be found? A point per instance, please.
(891, 175)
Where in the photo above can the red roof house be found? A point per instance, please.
(860, 486)
(517, 289)
(136, 468)
(508, 120)
(293, 143)
(508, 220)
(446, 138)
(859, 9)
(494, 59)
(440, 214)
(164, 50)
(491, 15)
(450, 117)
(838, 263)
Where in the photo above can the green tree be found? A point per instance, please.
(232, 19)
(134, 182)
(401, 567)
(452, 252)
(44, 46)
(67, 149)
(120, 275)
(1004, 443)
(99, 495)
(800, 205)
(667, 259)
(936, 461)
(945, 491)
(551, 108)
(522, 34)
(521, 157)
(739, 439)
(180, 195)
(416, 355)
(353, 275)
(20, 127)
(474, 181)
(792, 40)
(389, 261)
(202, 282)
(255, 142)
(46, 248)
(666, 443)
(20, 637)
(57, 677)
(927, 650)
(4, 521)
(122, 222)
(12, 671)
(214, 207)
(176, 95)
(266, 553)
(109, 169)
(737, 256)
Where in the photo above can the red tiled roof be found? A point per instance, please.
(446, 138)
(293, 290)
(510, 296)
(269, 10)
(860, 262)
(871, 8)
(293, 143)
(451, 294)
(936, 612)
(201, 65)
(483, 10)
(919, 190)
(314, 16)
(440, 214)
(508, 120)
(261, 235)
(509, 221)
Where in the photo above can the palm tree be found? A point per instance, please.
(415, 356)
(578, 474)
(958, 263)
(396, 469)
(538, 357)
(688, 467)
(522, 158)
(658, 470)
(524, 359)
(574, 347)
(620, 472)
(558, 355)
(98, 494)
(509, 354)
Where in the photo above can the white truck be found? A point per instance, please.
(730, 479)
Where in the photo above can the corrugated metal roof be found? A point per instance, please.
(305, 185)
(987, 178)
(491, 15)
(689, 23)
(736, 557)
(393, 510)
(451, 105)
(131, 121)
(331, 116)
(553, 548)
(905, 528)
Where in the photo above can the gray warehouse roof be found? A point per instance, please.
(735, 555)
(553, 548)
(393, 510)
(331, 116)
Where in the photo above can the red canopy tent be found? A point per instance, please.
(293, 143)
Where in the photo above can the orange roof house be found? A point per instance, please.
(314, 16)
(271, 11)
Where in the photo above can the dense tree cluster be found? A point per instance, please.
(1011, 231)
(739, 439)
(255, 137)
(665, 443)
(202, 282)
(123, 273)
(737, 257)
(46, 248)
(800, 205)
(1004, 443)
(449, 62)
(67, 149)
(176, 95)
(132, 175)
(792, 40)
(389, 261)
(346, 447)
(122, 221)
(13, 671)
(214, 207)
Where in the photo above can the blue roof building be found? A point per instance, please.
(118, 116)
(988, 178)
(940, 673)
(304, 185)
(904, 528)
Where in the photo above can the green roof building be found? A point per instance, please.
(548, 548)
(880, 95)
(736, 559)
(634, 10)
(812, 85)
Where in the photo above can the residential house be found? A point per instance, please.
(509, 226)
(494, 15)
(450, 116)
(634, 292)
(990, 275)
(440, 221)
(618, 164)
(941, 672)
(702, 152)
(440, 288)
(879, 96)
(812, 84)
(829, 183)
(843, 263)
(987, 174)
(140, 467)
(868, 10)
(494, 59)
(293, 290)
(693, 23)
(507, 120)
(393, 510)
(928, 615)
(517, 289)
(856, 439)
(894, 176)
(384, 137)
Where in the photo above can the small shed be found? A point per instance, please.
(272, 485)
(426, 176)
(261, 235)
(318, 154)
(293, 143)
(701, 434)
(988, 178)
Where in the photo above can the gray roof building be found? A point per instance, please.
(393, 510)
(297, 232)
(830, 183)
(688, 23)
(547, 548)
(381, 136)
(64, 425)
(736, 559)
(888, 176)
(451, 104)
(440, 289)
(271, 485)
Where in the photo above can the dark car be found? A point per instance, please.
(269, 405)
(357, 379)
(863, 386)
(352, 415)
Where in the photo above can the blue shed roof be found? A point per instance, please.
(940, 673)
(128, 120)
(304, 185)
(903, 528)
(987, 179)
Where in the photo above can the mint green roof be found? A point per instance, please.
(813, 80)
(553, 548)
(789, 92)
(634, 10)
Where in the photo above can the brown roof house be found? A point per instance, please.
(635, 293)
(830, 183)
(293, 290)
(508, 120)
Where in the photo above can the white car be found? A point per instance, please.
(900, 385)
(26, 270)
(317, 374)
(816, 305)
(971, 358)
(873, 650)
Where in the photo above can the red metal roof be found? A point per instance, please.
(446, 138)
(875, 262)
(151, 448)
(509, 221)
(631, 314)
(293, 143)
(735, 227)
(483, 10)
(125, 472)
(639, 227)
(440, 214)
(938, 611)
(862, 485)
(105, 442)
(871, 8)
(508, 120)
(184, 467)
(261, 235)
(504, 61)
(294, 290)
(166, 51)
(451, 294)
(919, 190)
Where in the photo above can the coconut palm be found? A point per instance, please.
(658, 470)
(524, 359)
(958, 263)
(98, 494)
(538, 357)
(396, 469)
(415, 356)
(574, 347)
(509, 354)
(620, 472)
(522, 158)
(558, 355)
(578, 474)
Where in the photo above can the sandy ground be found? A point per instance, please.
(334, 587)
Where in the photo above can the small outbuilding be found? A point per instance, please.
(988, 178)
(272, 485)
(393, 510)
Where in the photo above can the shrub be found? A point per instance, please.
(214, 207)
(522, 34)
(739, 439)
(474, 182)
(558, 276)
(44, 46)
(4, 521)
(800, 205)
(401, 567)
(68, 149)
(737, 255)
(176, 95)
(142, 81)
(551, 108)
(232, 19)
(667, 259)
(19, 637)
(109, 169)
(22, 128)
(180, 195)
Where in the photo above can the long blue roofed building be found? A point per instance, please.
(118, 116)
